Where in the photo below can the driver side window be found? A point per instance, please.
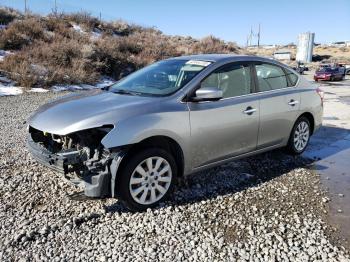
(233, 80)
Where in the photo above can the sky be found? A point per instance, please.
(281, 20)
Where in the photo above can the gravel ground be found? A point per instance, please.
(265, 208)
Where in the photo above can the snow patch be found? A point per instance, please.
(7, 87)
(78, 28)
(3, 54)
(96, 34)
(10, 90)
(5, 81)
(38, 90)
(104, 82)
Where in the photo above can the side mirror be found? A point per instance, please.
(208, 94)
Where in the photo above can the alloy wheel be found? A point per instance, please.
(150, 180)
(301, 136)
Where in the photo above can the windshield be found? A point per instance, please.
(160, 79)
(325, 69)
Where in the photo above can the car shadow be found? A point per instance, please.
(328, 141)
(250, 172)
(229, 178)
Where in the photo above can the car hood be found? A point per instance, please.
(88, 110)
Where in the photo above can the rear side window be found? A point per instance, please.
(270, 77)
(293, 78)
(233, 80)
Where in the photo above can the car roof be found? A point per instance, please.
(225, 57)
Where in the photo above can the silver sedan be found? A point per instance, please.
(173, 118)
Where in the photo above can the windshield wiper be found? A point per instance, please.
(126, 92)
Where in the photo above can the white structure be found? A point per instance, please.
(282, 54)
(340, 44)
(305, 47)
(268, 46)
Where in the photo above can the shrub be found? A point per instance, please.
(7, 15)
(47, 63)
(18, 68)
(57, 25)
(212, 44)
(112, 55)
(20, 33)
(85, 19)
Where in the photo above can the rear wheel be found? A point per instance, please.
(147, 179)
(300, 136)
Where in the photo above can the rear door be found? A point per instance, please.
(279, 103)
(228, 127)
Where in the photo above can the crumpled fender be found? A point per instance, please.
(135, 129)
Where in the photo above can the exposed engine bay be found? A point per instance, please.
(79, 156)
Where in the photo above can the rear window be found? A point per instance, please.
(270, 77)
(292, 77)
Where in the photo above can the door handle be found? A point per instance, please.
(249, 110)
(293, 102)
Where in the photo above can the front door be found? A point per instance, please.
(227, 127)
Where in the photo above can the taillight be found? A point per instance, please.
(320, 93)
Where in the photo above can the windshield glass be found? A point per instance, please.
(159, 79)
(325, 69)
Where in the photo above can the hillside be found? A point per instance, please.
(78, 48)
(322, 53)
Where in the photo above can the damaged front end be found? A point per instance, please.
(80, 157)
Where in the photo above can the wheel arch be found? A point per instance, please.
(311, 119)
(159, 141)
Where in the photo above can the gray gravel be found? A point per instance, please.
(265, 208)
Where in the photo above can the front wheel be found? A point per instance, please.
(147, 179)
(299, 137)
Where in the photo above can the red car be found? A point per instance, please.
(328, 74)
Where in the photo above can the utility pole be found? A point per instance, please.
(25, 6)
(55, 7)
(100, 18)
(259, 36)
(251, 35)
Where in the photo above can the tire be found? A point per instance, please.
(298, 143)
(140, 187)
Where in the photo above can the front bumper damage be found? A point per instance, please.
(99, 176)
